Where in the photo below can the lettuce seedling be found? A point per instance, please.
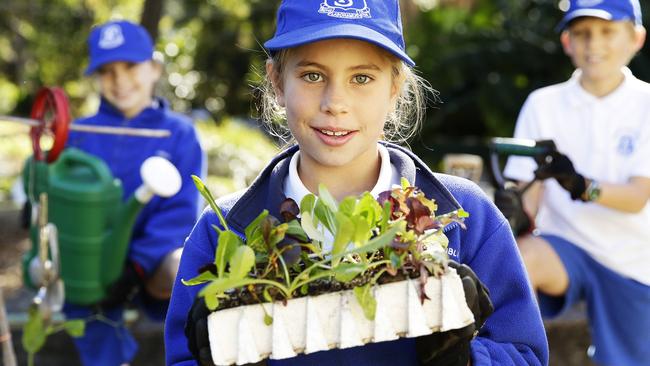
(353, 244)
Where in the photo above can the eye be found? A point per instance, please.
(607, 31)
(312, 77)
(361, 79)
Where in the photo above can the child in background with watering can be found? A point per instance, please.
(594, 217)
(343, 78)
(121, 60)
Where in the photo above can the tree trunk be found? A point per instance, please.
(151, 14)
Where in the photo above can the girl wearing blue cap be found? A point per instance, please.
(121, 59)
(339, 75)
(593, 218)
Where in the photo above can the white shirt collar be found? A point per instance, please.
(579, 95)
(388, 176)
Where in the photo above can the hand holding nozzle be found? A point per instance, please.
(508, 195)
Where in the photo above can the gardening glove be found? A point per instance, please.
(561, 168)
(196, 332)
(451, 348)
(509, 202)
(125, 288)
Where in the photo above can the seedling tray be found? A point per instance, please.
(310, 324)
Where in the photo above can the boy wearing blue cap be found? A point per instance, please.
(341, 78)
(121, 59)
(593, 218)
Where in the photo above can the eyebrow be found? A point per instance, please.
(307, 63)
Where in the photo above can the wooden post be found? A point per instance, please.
(8, 356)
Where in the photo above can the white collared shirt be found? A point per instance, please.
(388, 177)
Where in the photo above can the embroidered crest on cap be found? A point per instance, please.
(588, 3)
(346, 9)
(111, 37)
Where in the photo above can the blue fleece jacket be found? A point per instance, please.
(513, 335)
(162, 225)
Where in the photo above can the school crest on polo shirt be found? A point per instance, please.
(626, 145)
(111, 37)
(346, 9)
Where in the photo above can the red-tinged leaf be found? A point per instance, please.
(289, 210)
(424, 276)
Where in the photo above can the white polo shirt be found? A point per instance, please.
(607, 139)
(296, 190)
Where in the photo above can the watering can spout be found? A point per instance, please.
(160, 178)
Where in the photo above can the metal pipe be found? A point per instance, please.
(108, 130)
(8, 355)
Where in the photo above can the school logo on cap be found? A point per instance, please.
(588, 3)
(346, 9)
(111, 37)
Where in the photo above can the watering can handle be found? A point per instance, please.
(74, 155)
(498, 146)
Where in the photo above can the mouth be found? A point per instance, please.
(592, 59)
(334, 136)
(333, 133)
(121, 94)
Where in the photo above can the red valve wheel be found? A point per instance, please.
(50, 103)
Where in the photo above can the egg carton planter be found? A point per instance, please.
(310, 324)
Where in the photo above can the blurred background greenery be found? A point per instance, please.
(483, 56)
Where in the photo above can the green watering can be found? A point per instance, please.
(93, 225)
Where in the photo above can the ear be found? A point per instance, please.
(565, 40)
(276, 82)
(639, 38)
(396, 86)
(156, 69)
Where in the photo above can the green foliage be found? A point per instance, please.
(37, 329)
(367, 242)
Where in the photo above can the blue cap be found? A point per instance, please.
(614, 10)
(305, 21)
(118, 41)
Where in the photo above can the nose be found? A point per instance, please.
(593, 40)
(334, 100)
(119, 76)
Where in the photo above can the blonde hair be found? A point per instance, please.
(401, 124)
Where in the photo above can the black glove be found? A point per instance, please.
(561, 168)
(509, 202)
(196, 332)
(451, 348)
(124, 289)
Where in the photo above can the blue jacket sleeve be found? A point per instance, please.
(165, 222)
(514, 334)
(197, 252)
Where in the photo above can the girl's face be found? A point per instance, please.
(129, 86)
(600, 48)
(337, 94)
